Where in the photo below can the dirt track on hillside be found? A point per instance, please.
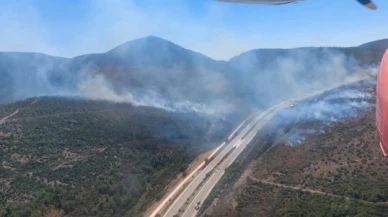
(310, 190)
(3, 120)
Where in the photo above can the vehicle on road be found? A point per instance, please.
(198, 205)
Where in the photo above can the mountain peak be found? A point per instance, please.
(150, 39)
(156, 51)
(148, 42)
(153, 37)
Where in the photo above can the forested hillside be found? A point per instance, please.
(93, 158)
(339, 173)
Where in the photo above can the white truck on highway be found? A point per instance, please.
(198, 205)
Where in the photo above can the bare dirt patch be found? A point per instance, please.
(99, 150)
(23, 159)
(69, 155)
(52, 183)
(33, 102)
(5, 184)
(5, 135)
(6, 165)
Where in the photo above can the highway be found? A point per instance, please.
(239, 142)
(174, 193)
(209, 185)
(200, 188)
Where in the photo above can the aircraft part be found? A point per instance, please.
(382, 104)
(270, 2)
(367, 3)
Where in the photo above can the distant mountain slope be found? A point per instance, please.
(154, 64)
(371, 52)
(150, 53)
(155, 72)
(31, 74)
(376, 45)
(282, 73)
(261, 55)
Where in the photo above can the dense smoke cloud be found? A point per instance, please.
(154, 72)
(313, 116)
(158, 73)
(294, 73)
(26, 75)
(96, 87)
(281, 74)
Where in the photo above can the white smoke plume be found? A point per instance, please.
(96, 87)
(315, 115)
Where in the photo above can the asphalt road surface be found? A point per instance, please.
(239, 141)
(210, 183)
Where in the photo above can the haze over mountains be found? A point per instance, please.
(92, 158)
(155, 72)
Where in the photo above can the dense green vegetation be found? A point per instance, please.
(87, 158)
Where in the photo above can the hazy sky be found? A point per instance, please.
(220, 30)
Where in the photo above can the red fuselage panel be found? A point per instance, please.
(382, 104)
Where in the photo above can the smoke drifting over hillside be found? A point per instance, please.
(287, 76)
(281, 74)
(316, 115)
(154, 72)
(97, 88)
